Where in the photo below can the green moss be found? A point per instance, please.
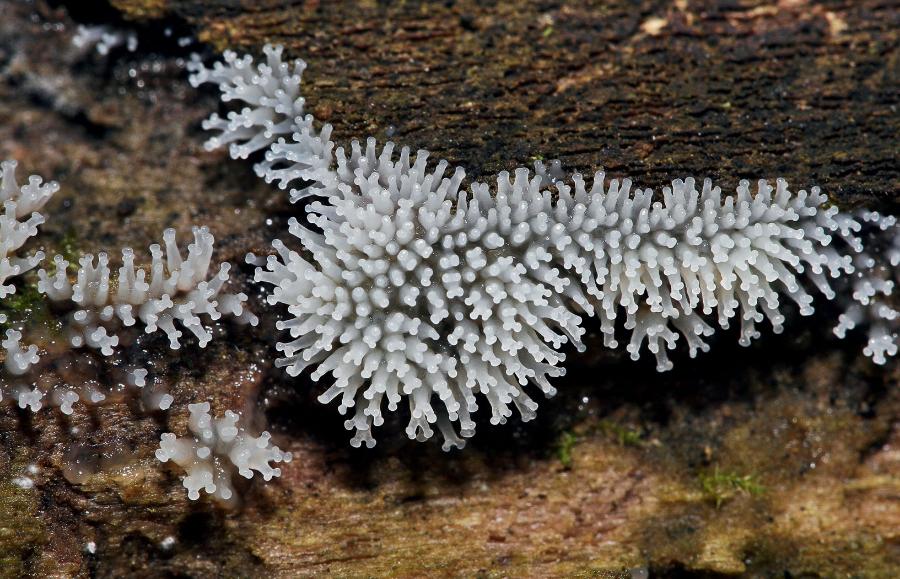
(26, 305)
(722, 486)
(564, 447)
(624, 435)
(69, 248)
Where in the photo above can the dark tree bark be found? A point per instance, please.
(651, 90)
(778, 459)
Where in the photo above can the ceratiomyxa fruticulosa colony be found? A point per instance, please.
(409, 287)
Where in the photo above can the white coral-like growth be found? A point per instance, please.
(421, 289)
(18, 359)
(155, 396)
(104, 38)
(18, 223)
(19, 203)
(215, 449)
(272, 119)
(63, 379)
(872, 286)
(60, 382)
(63, 397)
(417, 291)
(178, 290)
(667, 264)
(270, 91)
(417, 288)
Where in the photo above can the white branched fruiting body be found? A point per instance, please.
(19, 222)
(215, 449)
(667, 264)
(178, 290)
(63, 379)
(416, 292)
(415, 288)
(154, 396)
(62, 396)
(18, 359)
(58, 382)
(104, 38)
(872, 287)
(272, 120)
(270, 92)
(304, 164)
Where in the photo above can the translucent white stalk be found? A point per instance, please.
(214, 449)
(176, 293)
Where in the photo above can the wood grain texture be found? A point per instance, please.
(626, 472)
(652, 90)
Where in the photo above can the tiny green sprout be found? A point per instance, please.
(723, 486)
(69, 249)
(564, 447)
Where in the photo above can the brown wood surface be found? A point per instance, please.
(615, 478)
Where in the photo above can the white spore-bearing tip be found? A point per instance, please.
(421, 290)
(870, 300)
(64, 380)
(18, 358)
(104, 38)
(19, 222)
(177, 292)
(672, 267)
(417, 293)
(215, 449)
(269, 92)
(137, 377)
(23, 482)
(298, 156)
(155, 396)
